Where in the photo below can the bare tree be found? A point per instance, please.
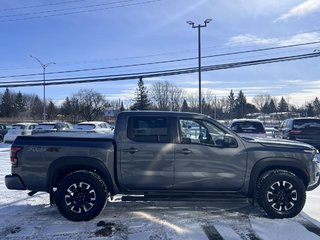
(167, 96)
(91, 104)
(261, 100)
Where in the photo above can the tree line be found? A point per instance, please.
(89, 105)
(167, 96)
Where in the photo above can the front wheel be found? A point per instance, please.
(281, 194)
(81, 196)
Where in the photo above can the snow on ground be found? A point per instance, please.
(24, 217)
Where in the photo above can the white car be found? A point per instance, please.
(19, 129)
(94, 126)
(251, 128)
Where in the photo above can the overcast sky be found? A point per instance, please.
(82, 34)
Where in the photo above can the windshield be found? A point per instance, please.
(247, 127)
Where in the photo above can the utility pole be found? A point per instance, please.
(199, 26)
(44, 66)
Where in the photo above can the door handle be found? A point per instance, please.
(186, 151)
(131, 150)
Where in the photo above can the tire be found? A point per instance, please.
(281, 194)
(81, 196)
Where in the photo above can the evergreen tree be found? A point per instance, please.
(142, 101)
(265, 108)
(240, 105)
(185, 107)
(7, 104)
(310, 110)
(51, 110)
(316, 106)
(272, 107)
(20, 104)
(231, 104)
(121, 107)
(250, 108)
(283, 106)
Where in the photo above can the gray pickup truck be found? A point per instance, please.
(163, 155)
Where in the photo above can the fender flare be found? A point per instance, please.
(267, 164)
(65, 165)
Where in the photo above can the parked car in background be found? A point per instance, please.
(18, 129)
(93, 127)
(51, 127)
(271, 131)
(248, 128)
(3, 131)
(305, 130)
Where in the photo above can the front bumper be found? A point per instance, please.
(316, 170)
(14, 182)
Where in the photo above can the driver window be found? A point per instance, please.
(200, 132)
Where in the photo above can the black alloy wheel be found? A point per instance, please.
(81, 196)
(281, 194)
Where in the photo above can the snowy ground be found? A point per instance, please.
(24, 217)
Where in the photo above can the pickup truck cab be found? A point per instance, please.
(163, 154)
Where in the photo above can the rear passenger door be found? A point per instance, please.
(147, 154)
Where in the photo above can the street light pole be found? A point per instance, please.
(199, 26)
(44, 66)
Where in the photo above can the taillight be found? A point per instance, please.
(13, 156)
(295, 131)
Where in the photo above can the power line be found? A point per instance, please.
(65, 9)
(156, 54)
(40, 5)
(163, 73)
(82, 11)
(166, 61)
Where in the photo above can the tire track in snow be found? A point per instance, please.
(310, 226)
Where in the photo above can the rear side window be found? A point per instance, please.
(306, 123)
(247, 127)
(148, 129)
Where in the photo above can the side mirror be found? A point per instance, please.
(230, 141)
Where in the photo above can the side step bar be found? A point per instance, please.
(184, 198)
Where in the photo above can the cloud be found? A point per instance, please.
(249, 39)
(303, 9)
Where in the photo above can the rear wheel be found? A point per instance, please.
(281, 194)
(81, 196)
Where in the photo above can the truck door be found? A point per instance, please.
(147, 154)
(203, 162)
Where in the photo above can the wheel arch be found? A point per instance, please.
(66, 165)
(265, 165)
